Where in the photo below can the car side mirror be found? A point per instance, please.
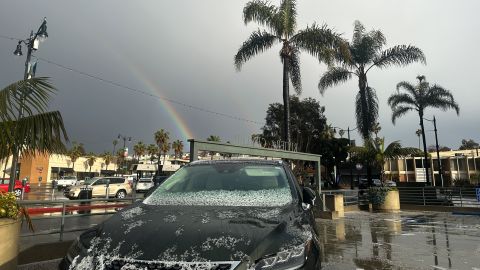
(309, 196)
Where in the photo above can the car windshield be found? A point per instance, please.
(147, 180)
(225, 184)
(91, 180)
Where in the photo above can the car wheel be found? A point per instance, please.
(17, 192)
(121, 194)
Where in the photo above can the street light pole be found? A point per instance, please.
(124, 138)
(350, 161)
(32, 44)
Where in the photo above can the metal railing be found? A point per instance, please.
(62, 210)
(440, 196)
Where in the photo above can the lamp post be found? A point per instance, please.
(350, 162)
(124, 138)
(32, 45)
(436, 146)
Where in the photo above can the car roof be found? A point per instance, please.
(237, 161)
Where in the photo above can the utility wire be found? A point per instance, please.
(98, 78)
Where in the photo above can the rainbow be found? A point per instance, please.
(182, 130)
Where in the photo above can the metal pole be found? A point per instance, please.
(350, 160)
(438, 152)
(62, 224)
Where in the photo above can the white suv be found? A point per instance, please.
(117, 187)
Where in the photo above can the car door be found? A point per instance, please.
(99, 187)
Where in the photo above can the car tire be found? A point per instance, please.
(17, 192)
(121, 194)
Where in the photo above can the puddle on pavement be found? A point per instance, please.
(406, 240)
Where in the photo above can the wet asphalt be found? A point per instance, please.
(405, 240)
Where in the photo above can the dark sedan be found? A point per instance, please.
(209, 215)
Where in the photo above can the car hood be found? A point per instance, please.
(201, 233)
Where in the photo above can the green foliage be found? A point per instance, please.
(468, 144)
(377, 195)
(8, 205)
(37, 130)
(364, 52)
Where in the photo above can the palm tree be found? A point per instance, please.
(91, 158)
(364, 53)
(418, 98)
(152, 150)
(374, 154)
(107, 157)
(213, 138)
(177, 148)
(161, 138)
(120, 158)
(139, 149)
(419, 134)
(27, 127)
(376, 129)
(115, 142)
(165, 148)
(281, 23)
(75, 152)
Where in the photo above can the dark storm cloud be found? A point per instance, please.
(184, 50)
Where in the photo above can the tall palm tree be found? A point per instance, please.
(376, 129)
(213, 138)
(419, 134)
(165, 148)
(152, 150)
(115, 142)
(75, 152)
(281, 23)
(91, 158)
(107, 157)
(418, 98)
(374, 154)
(161, 138)
(35, 130)
(177, 148)
(365, 52)
(139, 149)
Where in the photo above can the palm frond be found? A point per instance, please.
(40, 133)
(366, 110)
(288, 11)
(401, 98)
(294, 71)
(440, 97)
(399, 111)
(321, 42)
(258, 42)
(408, 87)
(358, 32)
(332, 77)
(263, 13)
(30, 95)
(400, 55)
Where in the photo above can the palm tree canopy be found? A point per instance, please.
(280, 22)
(213, 138)
(37, 130)
(91, 158)
(419, 97)
(161, 137)
(364, 52)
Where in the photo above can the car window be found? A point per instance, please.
(102, 181)
(229, 184)
(115, 180)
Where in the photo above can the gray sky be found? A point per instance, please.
(183, 50)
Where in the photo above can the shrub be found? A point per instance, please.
(9, 208)
(376, 195)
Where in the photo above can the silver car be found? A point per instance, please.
(144, 184)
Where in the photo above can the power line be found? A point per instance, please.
(147, 93)
(107, 81)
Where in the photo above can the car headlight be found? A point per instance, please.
(292, 258)
(82, 243)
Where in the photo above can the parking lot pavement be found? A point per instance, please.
(405, 240)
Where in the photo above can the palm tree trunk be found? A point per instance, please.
(286, 101)
(426, 163)
(5, 167)
(159, 169)
(362, 85)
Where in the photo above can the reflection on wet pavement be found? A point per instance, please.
(406, 240)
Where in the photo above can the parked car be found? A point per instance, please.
(209, 215)
(390, 183)
(66, 181)
(364, 183)
(117, 187)
(17, 189)
(144, 184)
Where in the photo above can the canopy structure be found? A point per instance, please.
(196, 145)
